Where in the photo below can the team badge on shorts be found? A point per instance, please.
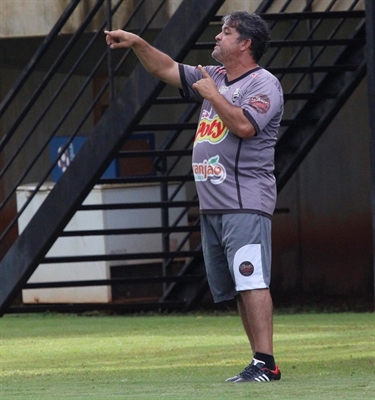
(248, 275)
(246, 268)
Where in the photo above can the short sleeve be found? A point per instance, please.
(262, 101)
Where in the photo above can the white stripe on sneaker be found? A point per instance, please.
(262, 378)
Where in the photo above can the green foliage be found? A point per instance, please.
(321, 356)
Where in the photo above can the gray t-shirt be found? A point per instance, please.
(232, 174)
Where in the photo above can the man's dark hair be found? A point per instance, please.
(250, 26)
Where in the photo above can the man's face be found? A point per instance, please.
(227, 46)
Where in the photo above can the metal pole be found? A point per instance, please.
(370, 33)
(164, 221)
(109, 52)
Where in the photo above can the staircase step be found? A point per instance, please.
(299, 122)
(153, 153)
(114, 281)
(313, 69)
(296, 43)
(173, 100)
(131, 231)
(306, 15)
(146, 179)
(131, 206)
(309, 96)
(166, 127)
(119, 257)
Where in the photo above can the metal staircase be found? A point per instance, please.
(319, 57)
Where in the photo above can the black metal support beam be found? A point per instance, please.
(344, 83)
(116, 125)
(370, 33)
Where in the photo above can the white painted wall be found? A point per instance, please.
(19, 18)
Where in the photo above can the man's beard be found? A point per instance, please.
(215, 57)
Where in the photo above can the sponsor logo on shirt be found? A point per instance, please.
(210, 130)
(210, 169)
(260, 102)
(223, 89)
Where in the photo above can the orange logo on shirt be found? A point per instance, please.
(210, 169)
(210, 130)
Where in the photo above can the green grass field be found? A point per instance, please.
(321, 356)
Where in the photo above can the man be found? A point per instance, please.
(233, 162)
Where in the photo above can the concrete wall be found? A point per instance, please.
(22, 18)
(323, 246)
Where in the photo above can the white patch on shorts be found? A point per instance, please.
(250, 258)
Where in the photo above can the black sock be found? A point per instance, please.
(267, 359)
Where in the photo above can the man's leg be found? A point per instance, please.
(255, 307)
(247, 241)
(245, 322)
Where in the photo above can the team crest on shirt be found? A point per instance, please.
(211, 170)
(236, 95)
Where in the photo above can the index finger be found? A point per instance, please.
(109, 38)
(112, 38)
(203, 71)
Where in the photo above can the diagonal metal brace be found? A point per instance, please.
(116, 125)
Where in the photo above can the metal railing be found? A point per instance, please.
(300, 56)
(11, 172)
(116, 71)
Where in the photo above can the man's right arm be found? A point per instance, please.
(155, 62)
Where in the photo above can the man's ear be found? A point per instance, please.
(246, 44)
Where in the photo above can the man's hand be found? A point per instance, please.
(120, 39)
(206, 86)
(232, 116)
(155, 62)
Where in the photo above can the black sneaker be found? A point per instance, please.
(256, 372)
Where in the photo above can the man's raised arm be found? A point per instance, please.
(155, 62)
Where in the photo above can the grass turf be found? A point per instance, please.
(321, 356)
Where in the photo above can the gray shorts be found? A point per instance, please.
(237, 253)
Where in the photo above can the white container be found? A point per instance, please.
(94, 245)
